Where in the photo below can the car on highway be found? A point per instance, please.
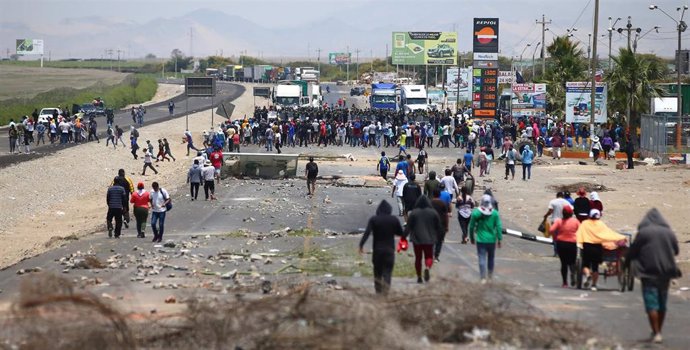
(46, 113)
(441, 50)
(339, 82)
(91, 110)
(357, 91)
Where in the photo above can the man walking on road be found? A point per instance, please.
(116, 200)
(652, 254)
(486, 232)
(148, 159)
(208, 174)
(159, 199)
(312, 171)
(128, 185)
(424, 227)
(171, 107)
(384, 227)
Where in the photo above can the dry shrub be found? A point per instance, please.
(49, 315)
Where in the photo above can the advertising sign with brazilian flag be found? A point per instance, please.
(420, 48)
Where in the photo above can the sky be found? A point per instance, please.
(72, 26)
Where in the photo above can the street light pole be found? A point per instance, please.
(593, 109)
(681, 27)
(523, 51)
(611, 29)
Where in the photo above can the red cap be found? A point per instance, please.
(568, 210)
(140, 185)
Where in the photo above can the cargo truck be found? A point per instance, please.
(413, 97)
(383, 97)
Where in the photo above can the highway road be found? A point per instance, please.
(155, 113)
(265, 205)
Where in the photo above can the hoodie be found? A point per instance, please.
(194, 174)
(423, 224)
(384, 227)
(653, 250)
(431, 184)
(485, 223)
(527, 155)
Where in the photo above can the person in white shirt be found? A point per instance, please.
(451, 186)
(398, 184)
(208, 173)
(148, 158)
(159, 199)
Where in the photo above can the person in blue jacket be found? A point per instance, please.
(527, 157)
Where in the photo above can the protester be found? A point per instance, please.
(383, 165)
(595, 202)
(652, 255)
(595, 148)
(116, 199)
(216, 159)
(582, 205)
(410, 193)
(148, 162)
(450, 184)
(424, 227)
(311, 171)
(629, 152)
(384, 227)
(141, 200)
(128, 185)
(486, 232)
(208, 173)
(398, 185)
(442, 209)
(565, 230)
(194, 178)
(190, 142)
(159, 200)
(166, 148)
(511, 156)
(431, 184)
(527, 157)
(464, 205)
(591, 234)
(422, 159)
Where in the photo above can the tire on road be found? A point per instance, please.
(520, 146)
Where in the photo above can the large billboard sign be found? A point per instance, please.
(339, 58)
(485, 39)
(528, 99)
(29, 46)
(420, 48)
(459, 84)
(578, 102)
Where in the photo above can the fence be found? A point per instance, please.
(659, 137)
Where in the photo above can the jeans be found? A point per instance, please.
(526, 168)
(209, 185)
(194, 190)
(485, 253)
(464, 224)
(158, 217)
(399, 200)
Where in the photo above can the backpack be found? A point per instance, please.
(384, 163)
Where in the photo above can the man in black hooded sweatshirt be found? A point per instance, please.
(652, 255)
(384, 227)
(424, 228)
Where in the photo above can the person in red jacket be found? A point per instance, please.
(140, 199)
(216, 159)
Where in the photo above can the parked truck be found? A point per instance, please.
(383, 96)
(413, 97)
(287, 95)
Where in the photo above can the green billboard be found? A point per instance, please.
(419, 48)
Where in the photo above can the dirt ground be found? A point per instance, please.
(27, 82)
(39, 214)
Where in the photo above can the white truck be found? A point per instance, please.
(287, 96)
(664, 106)
(313, 98)
(413, 97)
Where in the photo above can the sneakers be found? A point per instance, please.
(564, 285)
(426, 275)
(657, 338)
(419, 280)
(110, 233)
(588, 281)
(593, 289)
(126, 223)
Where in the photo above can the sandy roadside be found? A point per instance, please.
(48, 199)
(164, 92)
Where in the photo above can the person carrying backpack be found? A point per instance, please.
(383, 165)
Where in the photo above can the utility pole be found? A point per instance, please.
(357, 61)
(318, 59)
(593, 81)
(386, 57)
(191, 42)
(348, 63)
(543, 44)
(589, 49)
(611, 29)
(118, 59)
(629, 28)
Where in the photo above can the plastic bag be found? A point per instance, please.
(591, 154)
(402, 244)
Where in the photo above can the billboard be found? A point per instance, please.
(339, 58)
(528, 99)
(578, 103)
(29, 46)
(200, 86)
(459, 84)
(420, 48)
(506, 77)
(485, 39)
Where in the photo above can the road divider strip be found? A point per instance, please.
(527, 236)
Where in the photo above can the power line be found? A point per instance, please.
(581, 13)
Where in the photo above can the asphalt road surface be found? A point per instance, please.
(155, 113)
(343, 91)
(265, 205)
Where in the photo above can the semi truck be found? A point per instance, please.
(383, 96)
(413, 98)
(287, 95)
